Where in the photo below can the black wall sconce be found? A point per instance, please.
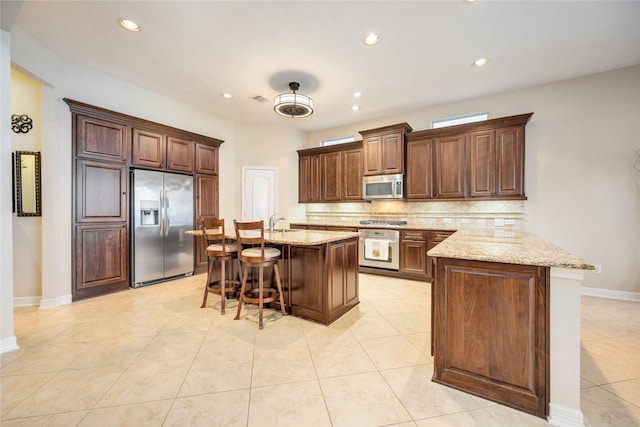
(21, 123)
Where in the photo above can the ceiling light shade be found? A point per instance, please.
(371, 39)
(293, 105)
(128, 24)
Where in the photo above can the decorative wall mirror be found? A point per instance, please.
(27, 176)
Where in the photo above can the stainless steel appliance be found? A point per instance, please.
(383, 187)
(379, 248)
(162, 211)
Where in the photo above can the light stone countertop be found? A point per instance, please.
(510, 247)
(294, 237)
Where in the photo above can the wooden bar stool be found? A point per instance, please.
(253, 253)
(218, 249)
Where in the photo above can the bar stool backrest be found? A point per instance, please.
(250, 234)
(212, 232)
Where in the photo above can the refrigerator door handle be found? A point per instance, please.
(161, 214)
(168, 211)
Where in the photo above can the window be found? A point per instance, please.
(334, 141)
(459, 120)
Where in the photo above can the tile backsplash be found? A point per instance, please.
(500, 213)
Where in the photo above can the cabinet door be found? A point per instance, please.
(419, 179)
(510, 161)
(342, 277)
(315, 179)
(206, 159)
(393, 153)
(102, 259)
(100, 139)
(304, 179)
(206, 196)
(101, 191)
(148, 149)
(482, 163)
(413, 252)
(372, 149)
(450, 167)
(434, 237)
(179, 155)
(331, 176)
(352, 175)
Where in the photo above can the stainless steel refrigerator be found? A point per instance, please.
(162, 211)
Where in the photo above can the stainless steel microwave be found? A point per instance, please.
(383, 187)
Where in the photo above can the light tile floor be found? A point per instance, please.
(152, 357)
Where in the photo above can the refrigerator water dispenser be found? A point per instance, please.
(149, 212)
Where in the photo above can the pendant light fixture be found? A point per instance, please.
(293, 104)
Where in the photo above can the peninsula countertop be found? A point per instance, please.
(294, 237)
(512, 247)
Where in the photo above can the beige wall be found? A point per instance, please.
(583, 191)
(27, 231)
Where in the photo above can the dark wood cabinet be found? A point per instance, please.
(105, 145)
(206, 159)
(482, 163)
(101, 139)
(101, 191)
(433, 238)
(450, 161)
(413, 252)
(383, 149)
(342, 277)
(180, 155)
(510, 162)
(352, 174)
(148, 149)
(330, 174)
(419, 176)
(490, 331)
(102, 259)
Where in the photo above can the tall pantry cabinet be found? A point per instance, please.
(105, 146)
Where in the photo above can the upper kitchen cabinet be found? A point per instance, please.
(450, 182)
(101, 139)
(206, 159)
(179, 155)
(419, 176)
(155, 150)
(383, 149)
(330, 174)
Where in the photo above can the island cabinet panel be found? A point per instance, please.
(148, 149)
(343, 278)
(451, 168)
(102, 259)
(101, 191)
(101, 139)
(307, 285)
(206, 159)
(419, 177)
(435, 237)
(490, 327)
(352, 174)
(180, 155)
(331, 176)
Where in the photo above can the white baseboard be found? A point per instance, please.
(8, 344)
(562, 416)
(26, 301)
(608, 293)
(55, 302)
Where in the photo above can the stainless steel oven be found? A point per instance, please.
(379, 248)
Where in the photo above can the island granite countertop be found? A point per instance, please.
(294, 237)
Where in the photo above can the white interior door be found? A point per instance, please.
(259, 193)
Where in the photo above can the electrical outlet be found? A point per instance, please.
(509, 221)
(464, 221)
(447, 221)
(498, 222)
(598, 269)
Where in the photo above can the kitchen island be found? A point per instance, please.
(506, 321)
(318, 269)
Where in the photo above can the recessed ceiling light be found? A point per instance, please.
(480, 62)
(372, 39)
(355, 107)
(226, 95)
(357, 95)
(127, 24)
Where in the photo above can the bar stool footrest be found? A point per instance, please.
(253, 295)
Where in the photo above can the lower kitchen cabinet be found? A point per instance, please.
(101, 259)
(413, 252)
(490, 331)
(435, 237)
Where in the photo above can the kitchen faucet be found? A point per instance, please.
(273, 220)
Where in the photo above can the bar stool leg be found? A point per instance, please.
(277, 271)
(206, 285)
(242, 289)
(223, 279)
(261, 296)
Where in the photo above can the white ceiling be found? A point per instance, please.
(194, 51)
